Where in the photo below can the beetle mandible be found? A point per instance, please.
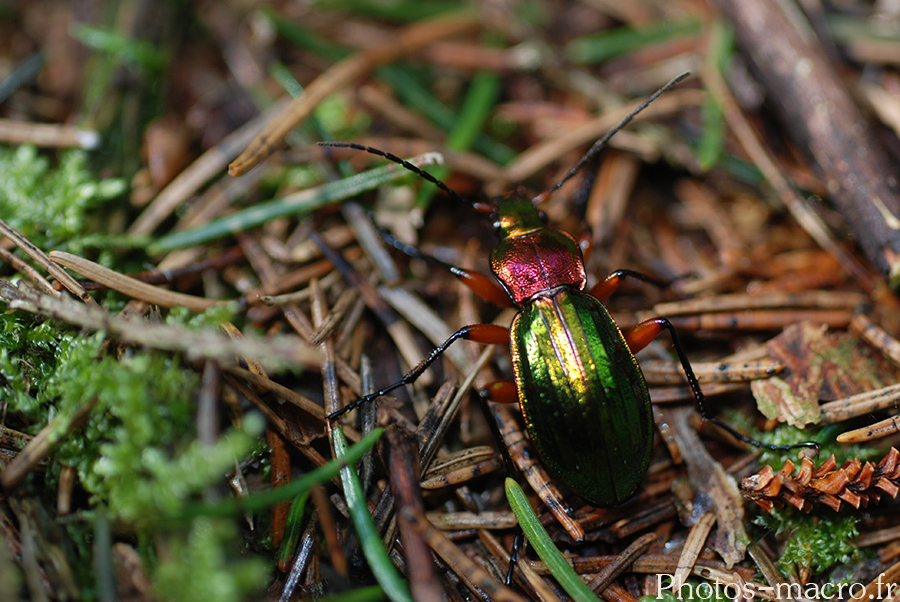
(575, 371)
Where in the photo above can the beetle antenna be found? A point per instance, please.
(601, 144)
(402, 162)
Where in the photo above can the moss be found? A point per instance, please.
(28, 350)
(814, 543)
(197, 566)
(825, 437)
(51, 205)
(137, 455)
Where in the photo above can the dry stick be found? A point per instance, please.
(344, 302)
(472, 574)
(29, 272)
(876, 538)
(131, 286)
(277, 422)
(41, 445)
(761, 157)
(344, 73)
(819, 114)
(693, 545)
(330, 530)
(461, 521)
(329, 374)
(859, 404)
(461, 467)
(47, 134)
(399, 330)
(274, 352)
(745, 302)
(44, 261)
(880, 429)
(661, 372)
(401, 456)
(624, 560)
(766, 566)
(877, 337)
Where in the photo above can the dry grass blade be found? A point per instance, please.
(276, 353)
(47, 134)
(474, 576)
(130, 286)
(40, 446)
(45, 262)
(343, 74)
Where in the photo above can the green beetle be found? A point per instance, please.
(579, 386)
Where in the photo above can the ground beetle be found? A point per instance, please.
(581, 391)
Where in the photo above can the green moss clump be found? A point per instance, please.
(198, 567)
(28, 351)
(50, 205)
(814, 543)
(825, 437)
(137, 456)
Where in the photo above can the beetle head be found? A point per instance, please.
(515, 215)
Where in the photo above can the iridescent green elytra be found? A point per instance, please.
(579, 386)
(581, 391)
(582, 394)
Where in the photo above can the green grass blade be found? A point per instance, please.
(410, 90)
(303, 37)
(261, 501)
(293, 529)
(379, 560)
(373, 593)
(599, 47)
(418, 97)
(297, 204)
(556, 563)
(403, 11)
(721, 46)
(478, 104)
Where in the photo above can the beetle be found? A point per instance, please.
(575, 370)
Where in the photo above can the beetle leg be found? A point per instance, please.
(483, 286)
(501, 391)
(641, 335)
(603, 289)
(488, 334)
